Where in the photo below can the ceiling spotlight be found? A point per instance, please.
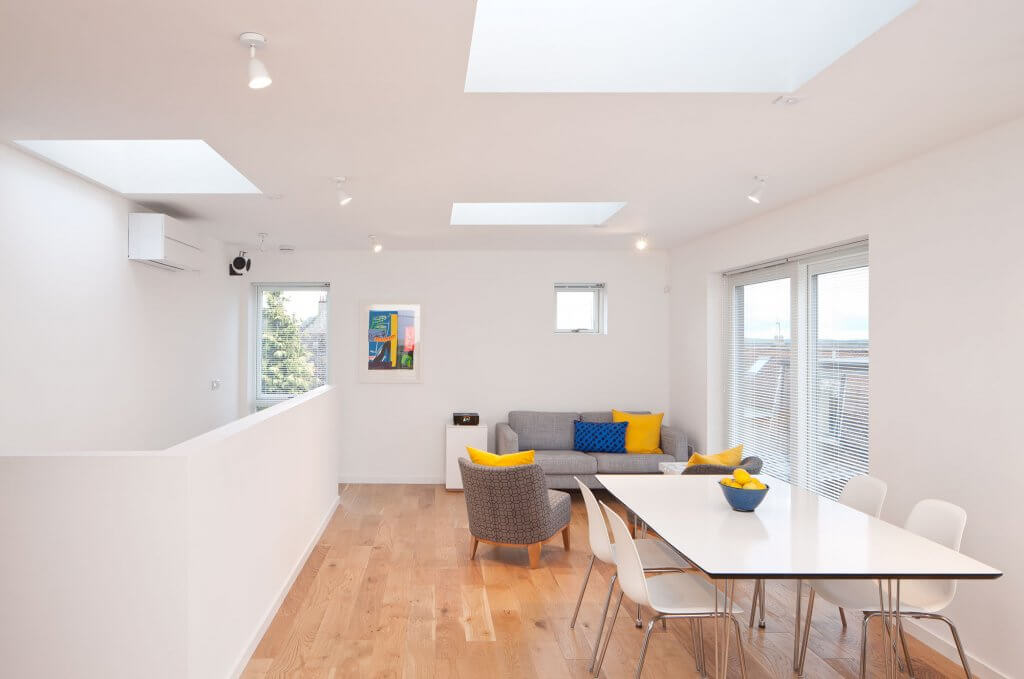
(641, 242)
(343, 197)
(755, 194)
(259, 77)
(375, 245)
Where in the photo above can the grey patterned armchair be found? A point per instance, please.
(513, 506)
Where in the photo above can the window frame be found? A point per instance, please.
(801, 270)
(257, 400)
(600, 307)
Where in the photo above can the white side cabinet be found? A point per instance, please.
(456, 438)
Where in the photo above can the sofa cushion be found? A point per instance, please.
(600, 437)
(606, 415)
(543, 431)
(615, 463)
(567, 461)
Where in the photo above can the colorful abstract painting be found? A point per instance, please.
(392, 343)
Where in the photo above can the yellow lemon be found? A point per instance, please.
(729, 482)
(751, 485)
(741, 476)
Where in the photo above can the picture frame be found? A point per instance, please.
(390, 344)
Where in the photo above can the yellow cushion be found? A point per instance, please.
(643, 432)
(491, 460)
(729, 458)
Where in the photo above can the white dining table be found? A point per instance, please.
(793, 534)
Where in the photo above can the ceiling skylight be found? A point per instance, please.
(662, 46)
(533, 214)
(144, 166)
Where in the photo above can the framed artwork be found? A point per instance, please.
(390, 343)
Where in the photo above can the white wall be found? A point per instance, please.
(488, 343)
(260, 492)
(947, 320)
(162, 564)
(101, 353)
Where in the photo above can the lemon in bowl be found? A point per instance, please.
(742, 491)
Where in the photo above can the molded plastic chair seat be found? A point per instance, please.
(916, 596)
(685, 594)
(656, 555)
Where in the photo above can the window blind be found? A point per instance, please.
(797, 367)
(291, 341)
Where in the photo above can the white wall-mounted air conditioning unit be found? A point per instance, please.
(163, 242)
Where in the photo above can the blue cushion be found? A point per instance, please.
(600, 437)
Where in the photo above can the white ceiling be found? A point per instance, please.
(664, 45)
(374, 91)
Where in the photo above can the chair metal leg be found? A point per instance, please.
(639, 620)
(807, 633)
(906, 648)
(583, 588)
(700, 648)
(754, 599)
(956, 637)
(604, 616)
(608, 637)
(864, 644)
(696, 644)
(643, 648)
(739, 648)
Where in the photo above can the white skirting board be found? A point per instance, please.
(426, 480)
(285, 588)
(925, 634)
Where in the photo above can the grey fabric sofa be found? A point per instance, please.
(551, 435)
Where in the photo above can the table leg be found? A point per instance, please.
(796, 624)
(730, 591)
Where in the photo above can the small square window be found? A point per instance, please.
(580, 307)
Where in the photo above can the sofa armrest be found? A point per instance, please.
(505, 439)
(673, 442)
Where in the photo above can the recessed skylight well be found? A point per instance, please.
(145, 166)
(533, 214)
(658, 46)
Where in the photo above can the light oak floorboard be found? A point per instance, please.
(390, 592)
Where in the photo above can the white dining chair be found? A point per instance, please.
(940, 522)
(865, 494)
(655, 556)
(675, 595)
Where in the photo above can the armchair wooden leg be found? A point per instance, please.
(472, 549)
(565, 538)
(534, 551)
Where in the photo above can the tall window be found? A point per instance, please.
(291, 341)
(580, 307)
(797, 371)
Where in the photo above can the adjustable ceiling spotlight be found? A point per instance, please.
(755, 194)
(641, 242)
(259, 77)
(343, 197)
(375, 245)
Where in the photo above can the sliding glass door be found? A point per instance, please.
(797, 367)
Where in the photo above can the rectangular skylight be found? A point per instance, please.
(533, 214)
(660, 46)
(145, 166)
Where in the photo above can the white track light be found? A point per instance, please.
(375, 245)
(755, 194)
(259, 77)
(343, 197)
(641, 242)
